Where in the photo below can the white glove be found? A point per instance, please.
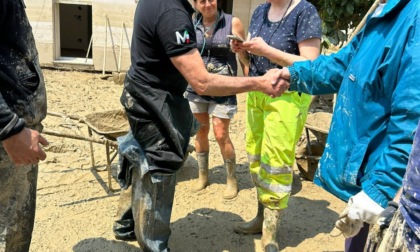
(360, 208)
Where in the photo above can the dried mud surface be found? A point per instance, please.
(75, 211)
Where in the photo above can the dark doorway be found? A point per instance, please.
(75, 30)
(227, 6)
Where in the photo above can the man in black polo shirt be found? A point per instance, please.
(164, 59)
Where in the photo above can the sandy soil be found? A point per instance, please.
(75, 210)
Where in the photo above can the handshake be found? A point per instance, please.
(275, 82)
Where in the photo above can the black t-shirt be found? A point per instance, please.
(162, 29)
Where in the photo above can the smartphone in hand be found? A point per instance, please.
(234, 37)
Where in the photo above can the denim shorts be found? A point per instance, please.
(224, 111)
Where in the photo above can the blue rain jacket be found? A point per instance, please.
(377, 81)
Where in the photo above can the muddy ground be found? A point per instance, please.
(75, 209)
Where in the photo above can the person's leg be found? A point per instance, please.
(123, 227)
(284, 118)
(357, 243)
(388, 239)
(17, 204)
(221, 116)
(254, 130)
(152, 199)
(200, 112)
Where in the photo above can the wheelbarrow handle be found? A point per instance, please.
(77, 137)
(73, 117)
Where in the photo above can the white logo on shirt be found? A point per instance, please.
(182, 39)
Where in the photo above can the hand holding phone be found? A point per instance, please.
(234, 37)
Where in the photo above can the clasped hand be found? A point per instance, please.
(274, 85)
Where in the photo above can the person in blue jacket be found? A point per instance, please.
(376, 78)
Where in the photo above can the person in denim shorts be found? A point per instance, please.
(212, 26)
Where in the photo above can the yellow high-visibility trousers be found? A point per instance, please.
(273, 128)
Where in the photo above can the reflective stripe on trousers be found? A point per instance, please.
(17, 204)
(274, 126)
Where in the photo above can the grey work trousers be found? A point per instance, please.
(151, 204)
(17, 204)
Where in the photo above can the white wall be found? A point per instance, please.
(42, 13)
(42, 16)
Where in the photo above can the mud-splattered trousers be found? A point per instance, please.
(148, 201)
(17, 204)
(274, 126)
(410, 197)
(23, 103)
(145, 205)
(161, 124)
(396, 236)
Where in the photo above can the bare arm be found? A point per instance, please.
(309, 50)
(238, 29)
(191, 66)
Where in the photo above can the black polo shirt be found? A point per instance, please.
(162, 29)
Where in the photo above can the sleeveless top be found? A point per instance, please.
(217, 56)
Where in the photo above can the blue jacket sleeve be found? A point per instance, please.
(405, 113)
(324, 74)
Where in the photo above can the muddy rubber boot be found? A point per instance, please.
(203, 171)
(231, 190)
(270, 227)
(253, 226)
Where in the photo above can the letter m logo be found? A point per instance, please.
(182, 38)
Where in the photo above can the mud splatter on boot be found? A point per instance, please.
(203, 171)
(270, 227)
(231, 190)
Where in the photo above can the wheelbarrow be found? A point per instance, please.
(108, 125)
(319, 125)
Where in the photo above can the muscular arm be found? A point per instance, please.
(191, 66)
